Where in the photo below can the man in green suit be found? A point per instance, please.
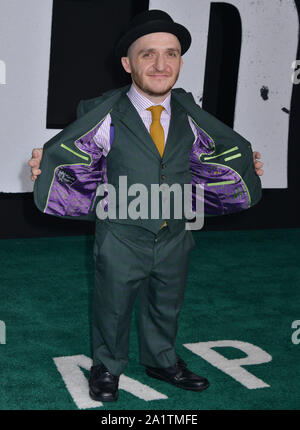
(153, 137)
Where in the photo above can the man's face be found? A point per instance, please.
(154, 62)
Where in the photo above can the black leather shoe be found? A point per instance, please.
(179, 375)
(103, 385)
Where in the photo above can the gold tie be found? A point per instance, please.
(157, 132)
(156, 129)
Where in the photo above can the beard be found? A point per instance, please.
(139, 82)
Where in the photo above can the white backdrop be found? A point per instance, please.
(269, 47)
(25, 30)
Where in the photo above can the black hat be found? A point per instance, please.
(152, 21)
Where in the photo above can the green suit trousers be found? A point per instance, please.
(132, 262)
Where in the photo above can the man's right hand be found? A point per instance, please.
(35, 162)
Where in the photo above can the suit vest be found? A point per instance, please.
(134, 158)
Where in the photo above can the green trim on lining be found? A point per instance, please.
(212, 184)
(235, 148)
(242, 181)
(232, 157)
(204, 132)
(222, 165)
(73, 152)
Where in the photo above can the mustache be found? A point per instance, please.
(159, 74)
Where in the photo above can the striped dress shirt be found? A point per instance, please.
(141, 103)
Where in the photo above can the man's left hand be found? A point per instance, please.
(258, 164)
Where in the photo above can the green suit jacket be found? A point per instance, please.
(73, 166)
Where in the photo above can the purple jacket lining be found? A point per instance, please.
(74, 186)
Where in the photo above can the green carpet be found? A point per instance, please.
(243, 286)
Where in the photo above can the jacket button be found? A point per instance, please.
(163, 166)
(163, 177)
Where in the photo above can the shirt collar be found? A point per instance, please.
(141, 102)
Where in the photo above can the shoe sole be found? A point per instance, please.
(105, 399)
(156, 376)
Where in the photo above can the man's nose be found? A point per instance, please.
(160, 62)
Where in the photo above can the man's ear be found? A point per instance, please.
(126, 64)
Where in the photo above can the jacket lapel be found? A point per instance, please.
(128, 115)
(83, 125)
